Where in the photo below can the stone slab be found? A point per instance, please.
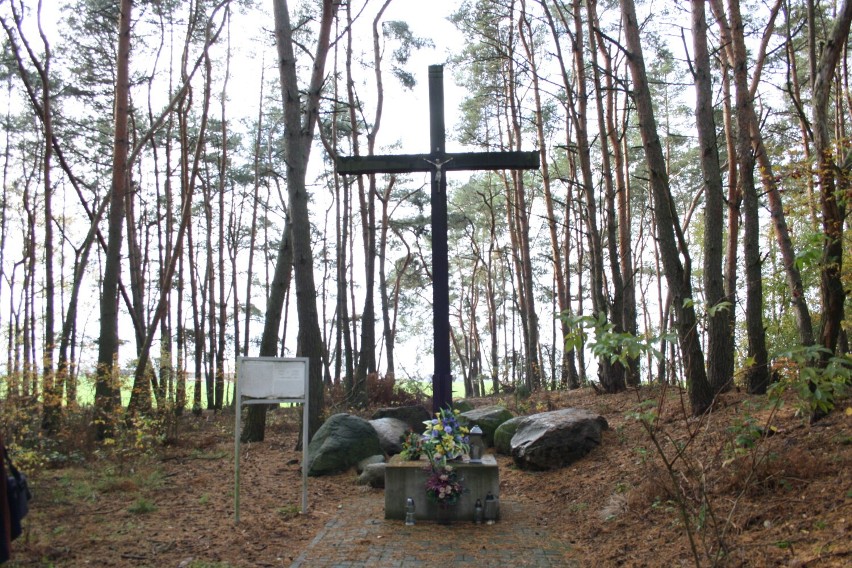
(405, 479)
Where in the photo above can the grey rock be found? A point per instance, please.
(390, 432)
(489, 419)
(556, 439)
(341, 442)
(503, 435)
(413, 416)
(362, 465)
(373, 475)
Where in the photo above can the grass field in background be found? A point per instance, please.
(86, 390)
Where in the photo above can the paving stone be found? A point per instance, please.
(360, 528)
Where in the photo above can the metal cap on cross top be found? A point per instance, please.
(438, 161)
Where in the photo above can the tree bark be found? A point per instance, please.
(51, 380)
(107, 396)
(569, 368)
(298, 137)
(719, 356)
(794, 91)
(254, 429)
(667, 224)
(223, 172)
(491, 299)
(833, 210)
(734, 200)
(518, 218)
(619, 145)
(255, 204)
(757, 374)
(356, 391)
(344, 360)
(611, 375)
(623, 316)
(366, 195)
(388, 326)
(143, 375)
(773, 195)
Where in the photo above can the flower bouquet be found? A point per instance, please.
(444, 486)
(445, 438)
(412, 446)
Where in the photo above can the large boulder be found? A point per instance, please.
(504, 433)
(362, 465)
(390, 432)
(556, 439)
(488, 418)
(373, 475)
(341, 442)
(413, 416)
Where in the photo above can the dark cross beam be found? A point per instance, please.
(438, 162)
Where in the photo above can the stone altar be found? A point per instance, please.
(405, 479)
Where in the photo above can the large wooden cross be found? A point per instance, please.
(438, 162)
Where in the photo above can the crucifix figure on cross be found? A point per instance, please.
(437, 172)
(438, 162)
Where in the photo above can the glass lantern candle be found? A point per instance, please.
(478, 512)
(477, 444)
(409, 511)
(492, 509)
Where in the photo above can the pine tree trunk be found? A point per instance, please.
(298, 138)
(733, 227)
(107, 396)
(620, 314)
(389, 333)
(610, 375)
(757, 376)
(832, 291)
(718, 332)
(254, 428)
(672, 246)
(569, 371)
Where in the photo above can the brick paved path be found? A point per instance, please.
(360, 537)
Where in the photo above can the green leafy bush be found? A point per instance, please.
(817, 380)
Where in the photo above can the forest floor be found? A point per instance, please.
(759, 487)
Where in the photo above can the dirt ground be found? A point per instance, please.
(758, 487)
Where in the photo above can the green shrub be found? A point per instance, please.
(818, 381)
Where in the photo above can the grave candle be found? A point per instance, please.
(491, 509)
(477, 446)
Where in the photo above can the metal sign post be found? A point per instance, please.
(271, 380)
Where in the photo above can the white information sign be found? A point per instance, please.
(271, 380)
(272, 377)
